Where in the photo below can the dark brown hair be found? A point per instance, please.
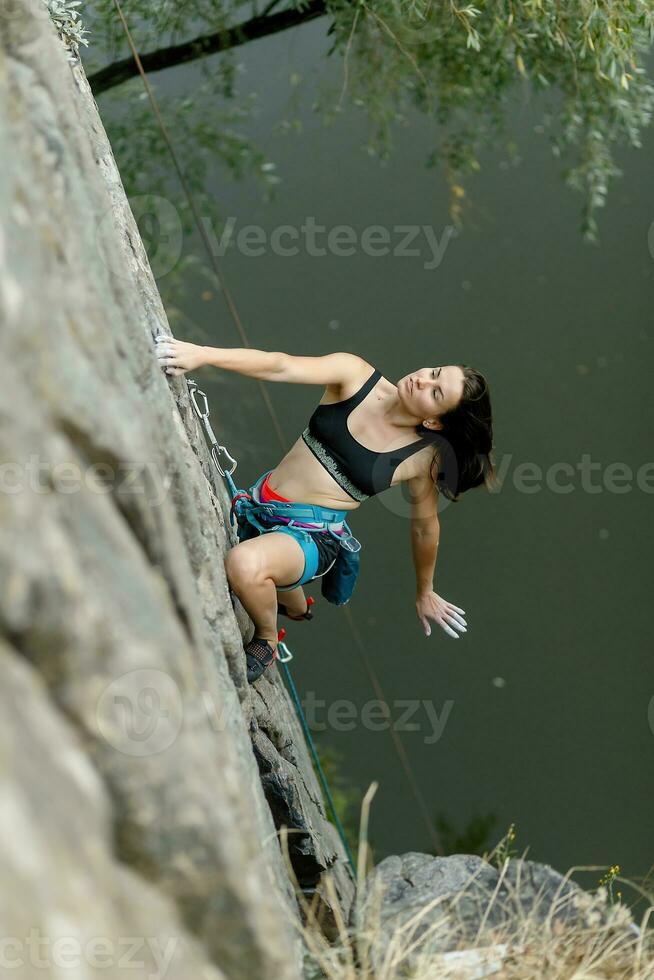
(464, 445)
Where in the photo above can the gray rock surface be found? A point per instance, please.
(112, 585)
(73, 909)
(296, 801)
(144, 782)
(442, 903)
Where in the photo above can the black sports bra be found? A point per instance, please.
(359, 471)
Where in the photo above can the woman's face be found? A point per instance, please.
(430, 392)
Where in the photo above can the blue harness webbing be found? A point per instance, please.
(244, 506)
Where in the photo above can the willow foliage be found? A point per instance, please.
(459, 65)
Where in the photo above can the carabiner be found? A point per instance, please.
(287, 653)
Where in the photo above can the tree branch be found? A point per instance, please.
(200, 47)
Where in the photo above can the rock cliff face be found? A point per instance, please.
(144, 781)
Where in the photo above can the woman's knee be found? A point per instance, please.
(241, 564)
(274, 555)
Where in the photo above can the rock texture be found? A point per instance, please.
(295, 799)
(436, 904)
(144, 783)
(124, 668)
(72, 905)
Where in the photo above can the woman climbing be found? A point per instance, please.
(360, 440)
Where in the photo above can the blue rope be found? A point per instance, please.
(236, 506)
(316, 761)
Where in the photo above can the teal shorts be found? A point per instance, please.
(320, 551)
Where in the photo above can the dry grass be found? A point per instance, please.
(603, 942)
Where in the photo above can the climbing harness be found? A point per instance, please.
(252, 514)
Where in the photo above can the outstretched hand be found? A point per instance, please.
(432, 606)
(177, 356)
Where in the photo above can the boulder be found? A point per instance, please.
(417, 904)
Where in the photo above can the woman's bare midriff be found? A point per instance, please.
(301, 477)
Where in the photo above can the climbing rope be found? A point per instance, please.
(285, 655)
(314, 753)
(397, 741)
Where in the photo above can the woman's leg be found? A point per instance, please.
(294, 600)
(254, 570)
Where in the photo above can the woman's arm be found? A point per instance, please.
(177, 357)
(261, 364)
(342, 368)
(424, 551)
(425, 534)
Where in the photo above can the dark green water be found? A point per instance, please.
(550, 688)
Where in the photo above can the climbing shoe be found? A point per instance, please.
(283, 611)
(259, 655)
